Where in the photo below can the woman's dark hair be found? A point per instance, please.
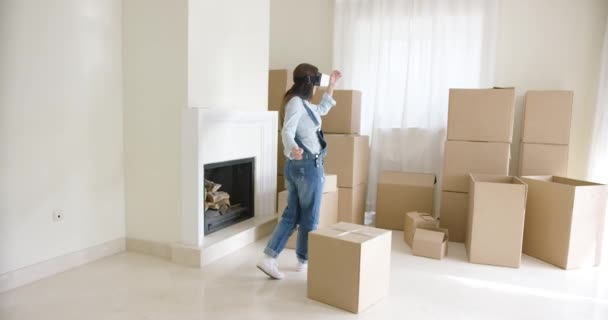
(302, 84)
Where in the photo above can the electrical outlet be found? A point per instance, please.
(57, 215)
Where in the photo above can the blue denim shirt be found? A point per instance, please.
(298, 123)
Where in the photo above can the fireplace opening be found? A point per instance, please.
(229, 193)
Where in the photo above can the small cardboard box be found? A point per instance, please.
(481, 115)
(351, 207)
(543, 159)
(463, 157)
(349, 265)
(348, 157)
(453, 214)
(495, 223)
(564, 219)
(345, 116)
(401, 192)
(328, 213)
(415, 220)
(547, 117)
(430, 242)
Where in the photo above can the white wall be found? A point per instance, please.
(228, 54)
(155, 86)
(60, 128)
(199, 53)
(301, 31)
(553, 44)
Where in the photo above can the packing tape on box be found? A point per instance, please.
(356, 231)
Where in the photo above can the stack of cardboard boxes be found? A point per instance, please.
(480, 130)
(546, 133)
(348, 153)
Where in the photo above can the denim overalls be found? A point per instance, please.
(304, 182)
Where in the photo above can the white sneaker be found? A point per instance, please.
(270, 266)
(301, 266)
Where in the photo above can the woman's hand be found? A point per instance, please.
(333, 78)
(296, 153)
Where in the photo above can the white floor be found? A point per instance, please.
(133, 286)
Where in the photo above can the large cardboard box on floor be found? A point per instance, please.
(495, 223)
(547, 117)
(351, 206)
(345, 116)
(453, 214)
(349, 265)
(348, 157)
(543, 159)
(414, 220)
(401, 192)
(564, 219)
(328, 213)
(463, 157)
(481, 115)
(430, 242)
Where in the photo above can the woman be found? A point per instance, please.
(305, 150)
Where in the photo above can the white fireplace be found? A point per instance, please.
(215, 135)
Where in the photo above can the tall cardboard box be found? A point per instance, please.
(349, 265)
(463, 157)
(328, 213)
(414, 220)
(564, 218)
(547, 117)
(453, 214)
(401, 192)
(351, 206)
(348, 157)
(430, 242)
(495, 224)
(345, 116)
(543, 159)
(481, 115)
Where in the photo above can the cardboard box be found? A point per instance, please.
(349, 265)
(415, 220)
(564, 219)
(280, 155)
(430, 242)
(547, 117)
(401, 192)
(462, 158)
(481, 115)
(351, 204)
(345, 116)
(453, 214)
(543, 159)
(279, 81)
(328, 213)
(495, 223)
(280, 183)
(348, 157)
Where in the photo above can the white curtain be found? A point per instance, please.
(404, 55)
(598, 157)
